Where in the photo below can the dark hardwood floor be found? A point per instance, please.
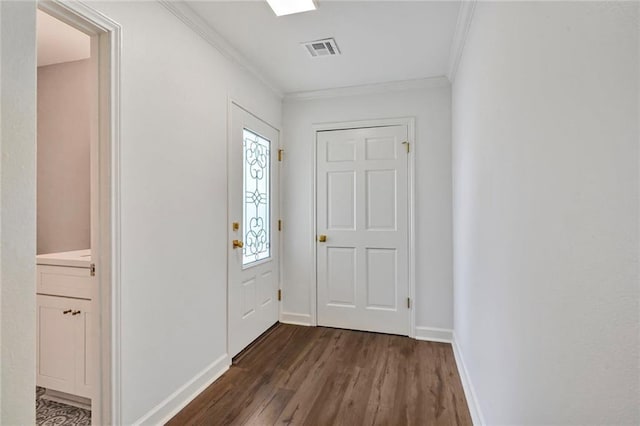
(323, 376)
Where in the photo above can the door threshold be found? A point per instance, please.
(253, 344)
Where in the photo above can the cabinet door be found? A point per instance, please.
(64, 345)
(84, 349)
(56, 343)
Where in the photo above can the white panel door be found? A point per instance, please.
(253, 239)
(362, 211)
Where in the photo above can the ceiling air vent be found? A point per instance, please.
(325, 47)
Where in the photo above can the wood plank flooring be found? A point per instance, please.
(323, 376)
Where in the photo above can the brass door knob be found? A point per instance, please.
(322, 238)
(237, 244)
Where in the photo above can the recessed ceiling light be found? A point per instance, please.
(288, 7)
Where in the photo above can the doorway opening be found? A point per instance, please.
(77, 228)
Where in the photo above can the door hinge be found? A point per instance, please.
(280, 152)
(92, 269)
(407, 145)
(279, 294)
(279, 225)
(408, 303)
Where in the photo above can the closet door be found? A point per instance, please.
(363, 229)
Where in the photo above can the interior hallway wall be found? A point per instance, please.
(175, 93)
(17, 212)
(432, 109)
(63, 176)
(173, 178)
(545, 159)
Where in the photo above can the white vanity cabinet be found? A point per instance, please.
(65, 343)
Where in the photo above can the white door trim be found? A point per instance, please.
(230, 104)
(319, 127)
(106, 37)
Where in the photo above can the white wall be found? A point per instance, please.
(17, 213)
(545, 158)
(1, 118)
(432, 110)
(63, 163)
(174, 235)
(175, 88)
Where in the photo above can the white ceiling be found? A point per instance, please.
(59, 42)
(381, 41)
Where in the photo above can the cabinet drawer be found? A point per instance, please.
(65, 281)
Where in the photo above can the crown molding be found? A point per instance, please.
(369, 89)
(193, 20)
(465, 16)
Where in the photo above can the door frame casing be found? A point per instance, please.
(410, 122)
(231, 102)
(106, 37)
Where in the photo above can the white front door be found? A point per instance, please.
(253, 240)
(362, 229)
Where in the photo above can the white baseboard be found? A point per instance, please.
(295, 319)
(168, 408)
(467, 385)
(65, 398)
(432, 334)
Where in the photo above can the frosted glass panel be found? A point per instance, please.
(256, 184)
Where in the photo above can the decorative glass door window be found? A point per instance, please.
(256, 160)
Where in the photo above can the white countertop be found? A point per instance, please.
(76, 258)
